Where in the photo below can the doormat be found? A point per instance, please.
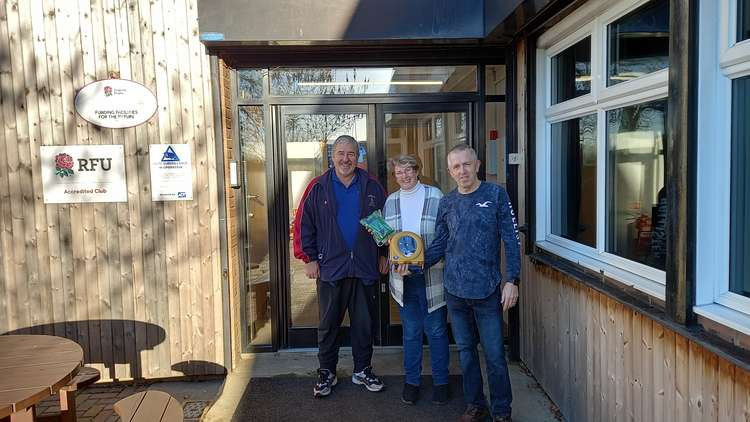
(289, 398)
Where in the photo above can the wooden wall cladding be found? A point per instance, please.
(136, 284)
(601, 361)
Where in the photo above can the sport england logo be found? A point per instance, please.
(169, 155)
(63, 165)
(485, 204)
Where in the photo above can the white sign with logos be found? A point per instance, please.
(171, 172)
(115, 103)
(83, 173)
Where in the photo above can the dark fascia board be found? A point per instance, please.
(348, 20)
(639, 303)
(531, 16)
(239, 56)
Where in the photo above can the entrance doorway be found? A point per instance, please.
(303, 144)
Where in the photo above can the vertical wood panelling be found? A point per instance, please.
(635, 369)
(137, 284)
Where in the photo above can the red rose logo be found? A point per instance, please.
(63, 165)
(107, 91)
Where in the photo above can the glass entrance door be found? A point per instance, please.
(303, 144)
(307, 136)
(427, 131)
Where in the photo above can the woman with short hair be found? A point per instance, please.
(419, 295)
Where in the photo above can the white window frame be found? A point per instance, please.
(721, 60)
(591, 19)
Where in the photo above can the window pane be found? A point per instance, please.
(257, 305)
(309, 139)
(495, 153)
(373, 80)
(250, 83)
(571, 72)
(574, 179)
(739, 233)
(428, 136)
(639, 42)
(494, 79)
(743, 16)
(636, 198)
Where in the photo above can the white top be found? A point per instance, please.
(412, 204)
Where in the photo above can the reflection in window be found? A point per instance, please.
(573, 179)
(495, 153)
(250, 84)
(495, 79)
(257, 291)
(639, 43)
(372, 80)
(427, 136)
(571, 72)
(743, 20)
(739, 233)
(636, 198)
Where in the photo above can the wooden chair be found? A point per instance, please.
(149, 406)
(85, 377)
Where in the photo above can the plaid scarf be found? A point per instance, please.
(434, 276)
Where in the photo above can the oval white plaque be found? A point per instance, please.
(115, 103)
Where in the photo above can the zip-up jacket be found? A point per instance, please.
(296, 227)
(323, 241)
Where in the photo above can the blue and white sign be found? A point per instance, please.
(171, 172)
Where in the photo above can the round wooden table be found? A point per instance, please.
(32, 367)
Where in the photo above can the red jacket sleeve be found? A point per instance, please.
(296, 228)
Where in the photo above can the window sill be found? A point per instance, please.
(624, 276)
(723, 315)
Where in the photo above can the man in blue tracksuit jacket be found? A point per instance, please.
(472, 220)
(346, 261)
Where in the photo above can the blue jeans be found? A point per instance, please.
(415, 320)
(477, 321)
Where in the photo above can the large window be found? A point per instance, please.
(739, 228)
(601, 199)
(723, 180)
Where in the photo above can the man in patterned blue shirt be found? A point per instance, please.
(472, 220)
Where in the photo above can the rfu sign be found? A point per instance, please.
(83, 173)
(91, 164)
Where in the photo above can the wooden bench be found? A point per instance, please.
(149, 406)
(85, 377)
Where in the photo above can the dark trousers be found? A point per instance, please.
(333, 302)
(477, 321)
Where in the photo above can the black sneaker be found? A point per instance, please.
(326, 381)
(474, 413)
(368, 379)
(440, 394)
(410, 393)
